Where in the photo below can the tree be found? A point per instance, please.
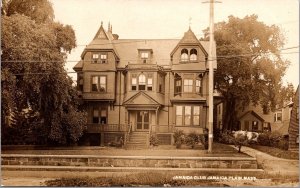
(250, 67)
(33, 57)
(40, 11)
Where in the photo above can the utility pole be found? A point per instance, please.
(210, 75)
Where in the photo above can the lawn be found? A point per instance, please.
(276, 152)
(219, 150)
(133, 180)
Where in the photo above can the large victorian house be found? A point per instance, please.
(132, 88)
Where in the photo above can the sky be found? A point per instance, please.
(169, 19)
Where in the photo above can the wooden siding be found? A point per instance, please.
(294, 124)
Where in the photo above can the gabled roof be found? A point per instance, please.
(190, 38)
(141, 98)
(252, 113)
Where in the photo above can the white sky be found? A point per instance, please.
(151, 19)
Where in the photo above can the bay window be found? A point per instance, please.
(187, 115)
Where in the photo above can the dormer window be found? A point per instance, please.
(95, 58)
(142, 82)
(145, 56)
(103, 58)
(184, 55)
(193, 55)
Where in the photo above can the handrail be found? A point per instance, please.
(128, 134)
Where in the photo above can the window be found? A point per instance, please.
(246, 128)
(144, 55)
(149, 83)
(184, 55)
(80, 84)
(187, 115)
(278, 117)
(133, 83)
(254, 125)
(196, 115)
(188, 85)
(193, 55)
(103, 58)
(142, 82)
(95, 58)
(95, 85)
(100, 115)
(198, 86)
(161, 83)
(178, 86)
(99, 83)
(179, 115)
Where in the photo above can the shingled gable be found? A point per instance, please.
(141, 98)
(188, 39)
(103, 40)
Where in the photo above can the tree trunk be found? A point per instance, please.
(229, 114)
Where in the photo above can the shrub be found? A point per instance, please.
(264, 139)
(275, 137)
(283, 144)
(226, 137)
(192, 139)
(240, 140)
(154, 141)
(179, 138)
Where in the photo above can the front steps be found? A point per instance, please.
(138, 140)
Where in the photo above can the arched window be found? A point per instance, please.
(184, 55)
(193, 55)
(142, 82)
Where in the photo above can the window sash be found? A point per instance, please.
(99, 83)
(95, 56)
(145, 55)
(188, 85)
(103, 57)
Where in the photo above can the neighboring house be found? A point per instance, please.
(251, 121)
(282, 119)
(143, 85)
(294, 124)
(251, 115)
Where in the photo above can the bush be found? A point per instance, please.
(179, 138)
(154, 141)
(226, 137)
(283, 144)
(275, 137)
(193, 139)
(264, 139)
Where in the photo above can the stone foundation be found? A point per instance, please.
(130, 161)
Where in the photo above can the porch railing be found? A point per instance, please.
(96, 128)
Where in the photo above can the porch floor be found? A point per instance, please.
(219, 150)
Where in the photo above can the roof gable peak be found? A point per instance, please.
(101, 33)
(189, 37)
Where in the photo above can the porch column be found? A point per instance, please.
(156, 120)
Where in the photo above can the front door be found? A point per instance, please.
(142, 120)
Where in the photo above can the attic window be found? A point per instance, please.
(95, 58)
(184, 55)
(144, 56)
(193, 56)
(103, 58)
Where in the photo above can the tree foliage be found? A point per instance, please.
(250, 67)
(34, 49)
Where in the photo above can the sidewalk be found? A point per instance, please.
(273, 165)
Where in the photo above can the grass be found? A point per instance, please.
(276, 152)
(139, 179)
(219, 150)
(158, 179)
